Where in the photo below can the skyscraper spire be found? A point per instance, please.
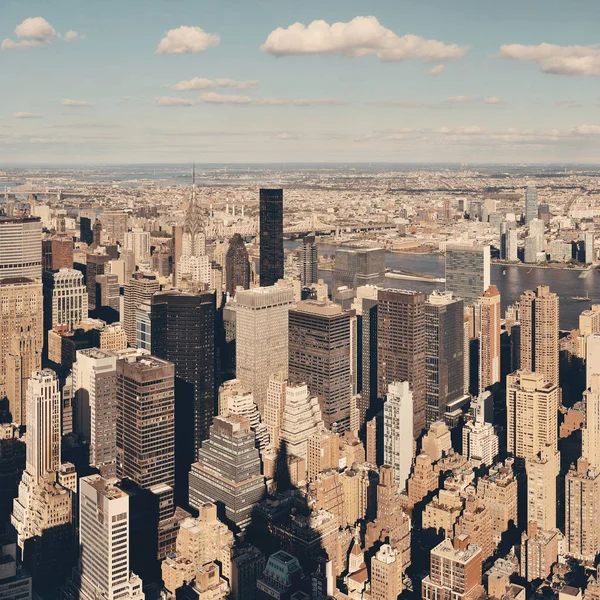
(193, 221)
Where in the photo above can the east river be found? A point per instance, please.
(511, 281)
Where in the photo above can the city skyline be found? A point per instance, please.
(273, 81)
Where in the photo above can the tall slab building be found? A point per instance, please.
(467, 271)
(271, 236)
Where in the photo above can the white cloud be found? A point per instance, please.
(169, 101)
(75, 103)
(359, 37)
(26, 115)
(437, 70)
(32, 32)
(73, 35)
(185, 40)
(216, 98)
(466, 130)
(459, 99)
(555, 59)
(124, 99)
(203, 84)
(493, 100)
(587, 130)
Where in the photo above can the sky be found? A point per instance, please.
(224, 81)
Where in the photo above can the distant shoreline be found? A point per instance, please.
(542, 266)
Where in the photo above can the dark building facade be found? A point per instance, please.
(444, 367)
(183, 332)
(354, 268)
(367, 357)
(95, 266)
(401, 346)
(319, 355)
(237, 265)
(271, 236)
(85, 230)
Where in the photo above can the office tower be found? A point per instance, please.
(397, 430)
(199, 541)
(95, 266)
(532, 414)
(467, 271)
(138, 289)
(308, 263)
(539, 317)
(444, 361)
(261, 337)
(539, 551)
(355, 268)
(228, 471)
(21, 339)
(103, 570)
(237, 265)
(402, 346)
(588, 245)
(271, 236)
(479, 442)
(138, 241)
(114, 225)
(183, 333)
(43, 425)
(386, 574)
(143, 326)
(455, 570)
(65, 299)
(57, 253)
(367, 356)
(582, 503)
(300, 420)
(20, 247)
(96, 234)
(531, 207)
(234, 399)
(592, 358)
(590, 436)
(319, 355)
(145, 435)
(489, 338)
(108, 292)
(85, 230)
(512, 245)
(498, 492)
(15, 582)
(95, 389)
(542, 472)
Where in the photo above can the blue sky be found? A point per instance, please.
(479, 81)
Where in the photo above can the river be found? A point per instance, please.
(564, 282)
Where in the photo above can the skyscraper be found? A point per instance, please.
(591, 430)
(21, 339)
(138, 289)
(397, 431)
(183, 333)
(489, 338)
(531, 207)
(104, 541)
(539, 316)
(237, 265)
(319, 355)
(65, 298)
(94, 384)
(20, 247)
(402, 346)
(444, 363)
(308, 263)
(467, 271)
(261, 337)
(363, 266)
(228, 471)
(146, 422)
(271, 236)
(114, 225)
(95, 266)
(85, 230)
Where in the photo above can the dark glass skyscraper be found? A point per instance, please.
(85, 230)
(237, 266)
(309, 268)
(183, 332)
(271, 237)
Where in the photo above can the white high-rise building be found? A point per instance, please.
(480, 442)
(43, 424)
(20, 248)
(592, 358)
(138, 240)
(512, 245)
(95, 391)
(103, 571)
(301, 418)
(261, 337)
(398, 430)
(194, 268)
(590, 436)
(65, 297)
(531, 207)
